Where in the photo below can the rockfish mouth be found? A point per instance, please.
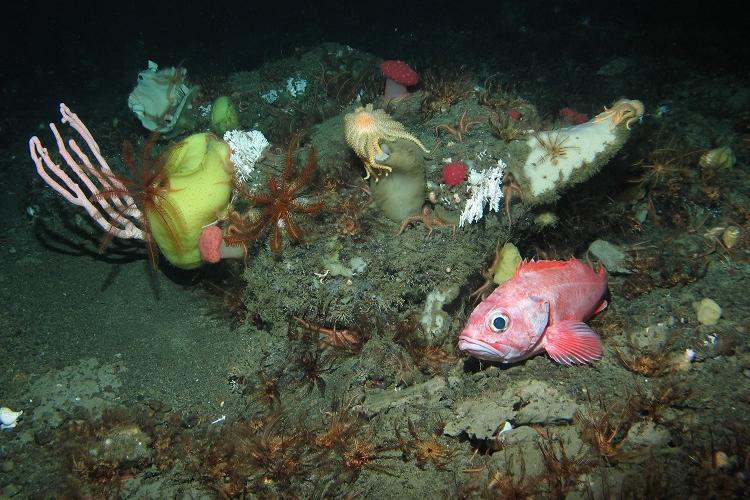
(481, 350)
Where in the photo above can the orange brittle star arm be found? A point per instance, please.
(429, 219)
(460, 129)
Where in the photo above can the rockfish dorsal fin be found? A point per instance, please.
(538, 265)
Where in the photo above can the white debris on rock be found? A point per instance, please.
(247, 147)
(271, 96)
(485, 187)
(296, 86)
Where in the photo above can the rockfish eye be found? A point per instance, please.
(499, 322)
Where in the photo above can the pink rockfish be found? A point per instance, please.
(541, 308)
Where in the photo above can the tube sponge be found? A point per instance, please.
(401, 193)
(224, 115)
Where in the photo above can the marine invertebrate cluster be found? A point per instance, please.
(666, 169)
(424, 450)
(441, 91)
(365, 128)
(512, 482)
(346, 449)
(562, 469)
(653, 362)
(602, 431)
(255, 455)
(341, 425)
(105, 452)
(653, 400)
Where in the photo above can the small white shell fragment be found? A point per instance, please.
(708, 311)
(721, 459)
(8, 417)
(506, 428)
(730, 236)
(682, 361)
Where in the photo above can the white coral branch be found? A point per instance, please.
(485, 188)
(247, 148)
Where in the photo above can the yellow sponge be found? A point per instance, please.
(199, 187)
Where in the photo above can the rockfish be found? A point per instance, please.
(541, 308)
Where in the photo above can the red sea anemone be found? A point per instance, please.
(454, 173)
(572, 116)
(399, 75)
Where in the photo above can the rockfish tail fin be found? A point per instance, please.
(572, 342)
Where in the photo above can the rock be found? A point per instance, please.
(707, 311)
(653, 336)
(127, 445)
(434, 320)
(520, 453)
(614, 260)
(478, 419)
(647, 434)
(379, 400)
(526, 403)
(520, 450)
(544, 405)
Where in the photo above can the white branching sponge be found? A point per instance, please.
(247, 147)
(485, 187)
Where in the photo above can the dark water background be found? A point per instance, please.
(76, 51)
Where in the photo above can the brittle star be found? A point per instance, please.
(429, 219)
(460, 129)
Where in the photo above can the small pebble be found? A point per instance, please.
(707, 311)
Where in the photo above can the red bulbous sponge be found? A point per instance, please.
(209, 244)
(454, 173)
(399, 72)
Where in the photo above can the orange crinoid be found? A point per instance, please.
(147, 185)
(277, 207)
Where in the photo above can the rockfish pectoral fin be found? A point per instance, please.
(538, 315)
(570, 342)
